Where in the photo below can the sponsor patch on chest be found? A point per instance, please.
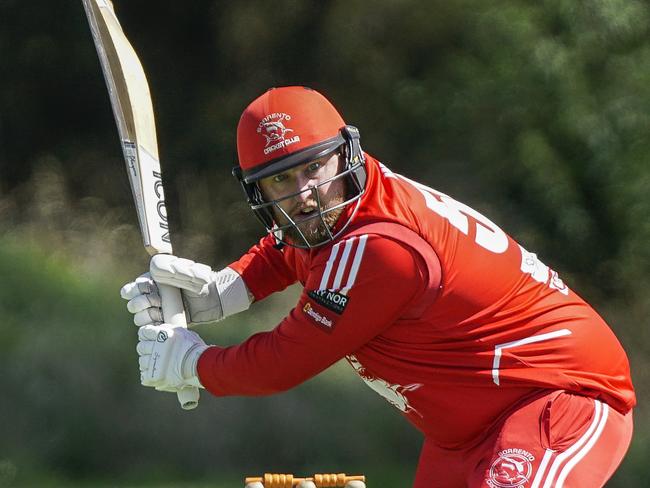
(332, 300)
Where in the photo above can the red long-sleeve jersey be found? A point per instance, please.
(434, 306)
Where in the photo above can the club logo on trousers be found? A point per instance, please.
(274, 130)
(511, 469)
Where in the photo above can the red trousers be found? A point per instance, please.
(558, 440)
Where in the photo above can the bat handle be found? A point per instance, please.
(174, 314)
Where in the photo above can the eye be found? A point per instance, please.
(279, 178)
(313, 167)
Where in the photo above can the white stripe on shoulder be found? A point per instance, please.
(329, 266)
(386, 172)
(358, 255)
(343, 263)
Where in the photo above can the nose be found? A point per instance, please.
(304, 187)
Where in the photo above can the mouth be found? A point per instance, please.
(304, 214)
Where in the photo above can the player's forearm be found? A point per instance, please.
(217, 372)
(266, 363)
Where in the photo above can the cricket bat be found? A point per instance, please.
(133, 111)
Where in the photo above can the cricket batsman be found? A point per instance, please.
(513, 379)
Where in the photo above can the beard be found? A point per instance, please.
(316, 228)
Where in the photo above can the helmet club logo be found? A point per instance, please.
(276, 133)
(511, 469)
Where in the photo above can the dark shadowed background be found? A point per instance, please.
(536, 113)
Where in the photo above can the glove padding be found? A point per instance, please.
(198, 284)
(208, 296)
(168, 357)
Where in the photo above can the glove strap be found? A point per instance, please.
(190, 361)
(232, 291)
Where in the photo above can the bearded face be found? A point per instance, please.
(316, 224)
(305, 199)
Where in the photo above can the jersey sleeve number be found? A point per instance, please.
(488, 235)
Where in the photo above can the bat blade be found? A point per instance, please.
(133, 111)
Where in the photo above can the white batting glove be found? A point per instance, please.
(144, 301)
(168, 356)
(208, 296)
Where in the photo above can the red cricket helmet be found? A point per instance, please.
(286, 127)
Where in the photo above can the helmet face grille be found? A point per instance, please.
(265, 211)
(353, 175)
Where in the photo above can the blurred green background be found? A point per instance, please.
(536, 113)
